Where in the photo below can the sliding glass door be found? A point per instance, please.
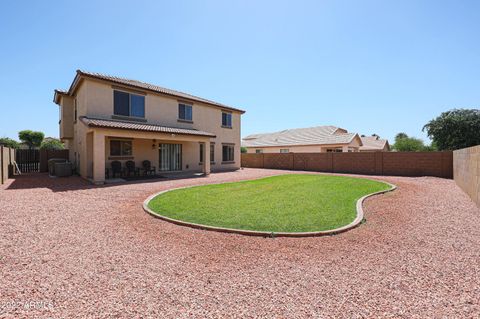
(170, 157)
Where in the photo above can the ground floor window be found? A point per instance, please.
(201, 152)
(259, 151)
(334, 150)
(120, 148)
(228, 153)
(284, 150)
(212, 152)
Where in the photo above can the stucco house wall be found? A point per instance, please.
(93, 98)
(353, 146)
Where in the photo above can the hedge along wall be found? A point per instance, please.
(466, 171)
(438, 164)
(7, 156)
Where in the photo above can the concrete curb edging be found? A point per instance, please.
(356, 222)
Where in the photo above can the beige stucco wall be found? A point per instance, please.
(96, 156)
(95, 99)
(306, 148)
(144, 149)
(292, 149)
(466, 171)
(384, 149)
(66, 117)
(164, 111)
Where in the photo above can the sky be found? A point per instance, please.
(368, 66)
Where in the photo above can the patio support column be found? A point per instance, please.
(206, 158)
(98, 158)
(345, 148)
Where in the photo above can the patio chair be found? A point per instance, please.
(116, 168)
(131, 168)
(148, 168)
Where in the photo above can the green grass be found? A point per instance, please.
(286, 203)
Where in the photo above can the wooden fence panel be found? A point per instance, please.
(7, 156)
(28, 160)
(45, 155)
(3, 164)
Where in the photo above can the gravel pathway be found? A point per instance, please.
(69, 249)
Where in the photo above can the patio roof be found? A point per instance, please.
(124, 125)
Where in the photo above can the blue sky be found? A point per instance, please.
(368, 66)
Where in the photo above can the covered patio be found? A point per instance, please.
(165, 149)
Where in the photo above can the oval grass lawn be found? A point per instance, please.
(285, 203)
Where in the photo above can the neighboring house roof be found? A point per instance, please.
(319, 135)
(138, 85)
(116, 124)
(372, 143)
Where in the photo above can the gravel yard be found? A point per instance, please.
(77, 250)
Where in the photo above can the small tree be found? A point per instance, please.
(31, 138)
(52, 144)
(8, 142)
(243, 149)
(455, 129)
(404, 143)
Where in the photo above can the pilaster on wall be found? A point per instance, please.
(98, 158)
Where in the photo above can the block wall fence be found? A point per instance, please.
(439, 164)
(466, 171)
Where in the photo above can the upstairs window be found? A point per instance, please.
(127, 104)
(184, 112)
(75, 113)
(226, 119)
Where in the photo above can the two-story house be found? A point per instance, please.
(106, 118)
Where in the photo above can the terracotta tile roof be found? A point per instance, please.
(319, 135)
(144, 86)
(372, 143)
(124, 125)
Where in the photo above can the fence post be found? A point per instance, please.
(332, 165)
(378, 163)
(1, 164)
(43, 160)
